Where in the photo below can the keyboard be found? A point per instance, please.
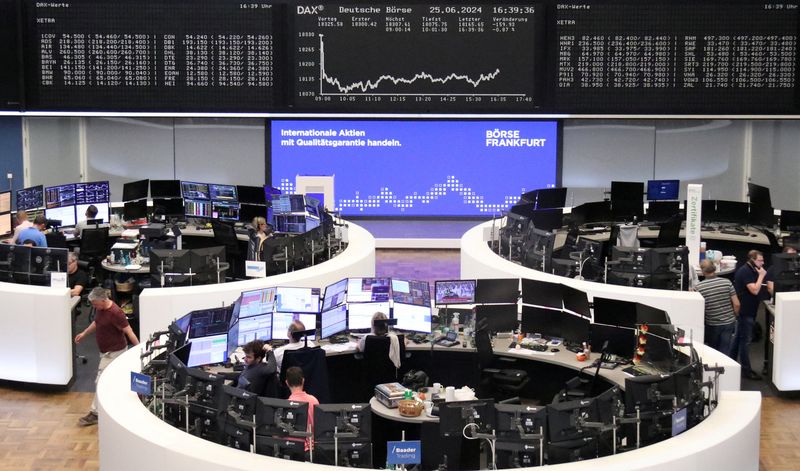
(640, 370)
(734, 232)
(654, 228)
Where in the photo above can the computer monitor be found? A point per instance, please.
(627, 191)
(46, 260)
(592, 212)
(759, 195)
(60, 203)
(225, 211)
(165, 189)
(497, 290)
(658, 190)
(621, 340)
(333, 321)
(241, 403)
(735, 212)
(5, 224)
(297, 300)
(171, 265)
(135, 190)
(514, 420)
(247, 212)
(454, 292)
(708, 210)
(200, 209)
(790, 221)
(176, 367)
(353, 419)
(102, 212)
(614, 312)
(659, 211)
(256, 302)
(411, 292)
(5, 202)
(454, 416)
(658, 349)
(335, 294)
(547, 198)
(219, 192)
(281, 417)
(169, 207)
(786, 269)
(208, 322)
(574, 329)
(282, 320)
(134, 210)
(761, 212)
(208, 350)
(87, 193)
(548, 220)
(537, 320)
(65, 214)
(180, 328)
(361, 290)
(542, 293)
(251, 328)
(251, 195)
(650, 315)
(195, 191)
(412, 317)
(497, 317)
(284, 448)
(650, 393)
(576, 301)
(359, 315)
(30, 198)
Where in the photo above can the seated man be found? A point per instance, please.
(77, 279)
(34, 234)
(296, 382)
(295, 342)
(22, 224)
(91, 213)
(258, 374)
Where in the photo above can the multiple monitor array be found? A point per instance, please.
(66, 203)
(30, 265)
(299, 57)
(187, 267)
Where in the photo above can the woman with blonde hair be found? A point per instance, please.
(260, 231)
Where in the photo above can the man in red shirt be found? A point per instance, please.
(295, 381)
(112, 333)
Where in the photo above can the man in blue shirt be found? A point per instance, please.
(34, 234)
(749, 281)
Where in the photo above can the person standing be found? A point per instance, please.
(259, 233)
(748, 282)
(112, 333)
(22, 224)
(34, 233)
(296, 382)
(722, 307)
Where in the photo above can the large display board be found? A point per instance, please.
(10, 52)
(418, 168)
(453, 57)
(139, 55)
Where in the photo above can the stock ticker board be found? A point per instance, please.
(556, 57)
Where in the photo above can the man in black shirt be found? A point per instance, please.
(77, 279)
(259, 376)
(749, 284)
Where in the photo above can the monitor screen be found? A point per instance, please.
(65, 214)
(282, 320)
(254, 328)
(574, 329)
(30, 198)
(735, 212)
(457, 182)
(627, 191)
(165, 189)
(359, 315)
(708, 210)
(297, 299)
(499, 317)
(209, 322)
(287, 204)
(195, 191)
(454, 292)
(412, 317)
(197, 208)
(364, 290)
(219, 192)
(650, 315)
(542, 293)
(135, 190)
(255, 302)
(169, 207)
(225, 211)
(5, 223)
(548, 220)
(247, 212)
(251, 194)
(499, 290)
(658, 211)
(92, 193)
(576, 301)
(208, 350)
(5, 202)
(759, 195)
(59, 196)
(134, 210)
(333, 321)
(595, 211)
(663, 189)
(614, 312)
(334, 294)
(538, 320)
(102, 211)
(411, 292)
(547, 198)
(621, 341)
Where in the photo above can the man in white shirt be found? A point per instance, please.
(22, 224)
(295, 342)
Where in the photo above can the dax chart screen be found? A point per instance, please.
(418, 168)
(417, 57)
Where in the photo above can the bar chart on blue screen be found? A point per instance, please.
(414, 56)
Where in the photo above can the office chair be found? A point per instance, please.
(377, 367)
(315, 370)
(668, 234)
(94, 247)
(56, 240)
(225, 235)
(500, 384)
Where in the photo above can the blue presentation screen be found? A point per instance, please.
(418, 168)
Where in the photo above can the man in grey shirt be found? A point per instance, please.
(722, 307)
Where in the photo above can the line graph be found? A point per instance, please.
(421, 59)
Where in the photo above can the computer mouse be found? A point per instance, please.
(753, 235)
(554, 350)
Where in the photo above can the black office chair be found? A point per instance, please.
(315, 370)
(56, 240)
(376, 367)
(225, 235)
(94, 248)
(501, 384)
(669, 234)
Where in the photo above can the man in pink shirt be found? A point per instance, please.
(295, 381)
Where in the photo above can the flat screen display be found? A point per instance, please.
(197, 208)
(411, 292)
(364, 290)
(251, 194)
(30, 198)
(359, 315)
(65, 214)
(5, 202)
(135, 190)
(412, 317)
(59, 196)
(542, 293)
(92, 193)
(282, 320)
(334, 295)
(208, 350)
(454, 292)
(501, 290)
(255, 302)
(5, 223)
(333, 321)
(663, 189)
(255, 328)
(195, 191)
(420, 168)
(225, 210)
(219, 192)
(165, 188)
(297, 299)
(102, 211)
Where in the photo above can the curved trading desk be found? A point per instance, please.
(159, 306)
(728, 438)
